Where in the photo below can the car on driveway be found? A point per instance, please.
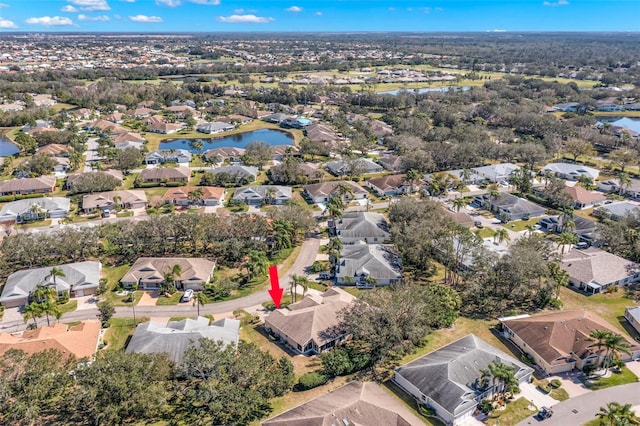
(544, 413)
(186, 297)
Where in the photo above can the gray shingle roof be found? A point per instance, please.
(46, 204)
(516, 205)
(362, 225)
(449, 374)
(377, 261)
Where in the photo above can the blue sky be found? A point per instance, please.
(326, 15)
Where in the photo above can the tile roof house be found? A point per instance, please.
(360, 226)
(320, 132)
(581, 225)
(81, 279)
(166, 174)
(35, 209)
(107, 201)
(615, 211)
(175, 337)
(321, 192)
(128, 137)
(214, 127)
(164, 128)
(368, 265)
(632, 315)
(270, 194)
(356, 403)
(582, 198)
(392, 162)
(42, 184)
(105, 127)
(230, 153)
(180, 156)
(211, 196)
(559, 341)
(570, 171)
(496, 172)
(449, 380)
(391, 186)
(55, 149)
(148, 272)
(592, 270)
(514, 207)
(79, 340)
(358, 166)
(311, 325)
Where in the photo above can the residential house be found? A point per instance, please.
(282, 151)
(391, 186)
(108, 201)
(238, 174)
(451, 381)
(141, 112)
(128, 137)
(567, 107)
(80, 279)
(125, 145)
(321, 192)
(311, 325)
(356, 403)
(512, 207)
(54, 149)
(632, 315)
(184, 196)
(79, 340)
(114, 117)
(164, 128)
(230, 153)
(268, 194)
(496, 173)
(357, 167)
(615, 211)
(570, 171)
(276, 118)
(81, 113)
(175, 337)
(392, 162)
(182, 111)
(148, 273)
(583, 199)
(558, 224)
(215, 127)
(320, 132)
(165, 174)
(593, 270)
(368, 265)
(180, 156)
(360, 226)
(29, 209)
(24, 186)
(72, 179)
(560, 342)
(104, 127)
(461, 218)
(612, 186)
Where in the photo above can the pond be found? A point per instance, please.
(239, 140)
(426, 89)
(7, 147)
(626, 122)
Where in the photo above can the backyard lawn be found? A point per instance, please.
(118, 333)
(521, 225)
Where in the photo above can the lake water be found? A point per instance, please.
(7, 147)
(239, 140)
(630, 123)
(426, 90)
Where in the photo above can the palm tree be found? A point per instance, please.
(599, 337)
(500, 235)
(117, 200)
(170, 277)
(297, 280)
(559, 276)
(283, 234)
(465, 175)
(195, 195)
(531, 228)
(270, 195)
(459, 203)
(411, 177)
(587, 182)
(257, 263)
(565, 239)
(200, 298)
(46, 297)
(624, 181)
(53, 273)
(32, 310)
(335, 206)
(615, 345)
(615, 414)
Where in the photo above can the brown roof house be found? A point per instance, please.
(79, 340)
(149, 272)
(449, 380)
(583, 199)
(559, 342)
(391, 186)
(321, 192)
(592, 270)
(311, 325)
(188, 195)
(356, 403)
(39, 185)
(107, 201)
(165, 174)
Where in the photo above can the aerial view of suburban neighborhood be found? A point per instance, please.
(319, 214)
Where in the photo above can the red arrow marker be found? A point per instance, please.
(275, 292)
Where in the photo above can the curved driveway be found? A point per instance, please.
(583, 408)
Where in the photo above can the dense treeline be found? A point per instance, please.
(214, 384)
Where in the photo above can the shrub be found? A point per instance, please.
(485, 406)
(427, 411)
(312, 380)
(544, 388)
(555, 384)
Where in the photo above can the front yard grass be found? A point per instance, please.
(621, 377)
(520, 225)
(173, 300)
(514, 412)
(70, 306)
(119, 331)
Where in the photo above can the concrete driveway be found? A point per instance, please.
(571, 383)
(533, 395)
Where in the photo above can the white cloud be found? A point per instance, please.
(245, 19)
(69, 8)
(496, 31)
(168, 3)
(557, 3)
(90, 5)
(129, 1)
(206, 2)
(3, 5)
(439, 9)
(49, 21)
(5, 23)
(238, 11)
(426, 9)
(392, 9)
(103, 18)
(145, 18)
(318, 13)
(295, 9)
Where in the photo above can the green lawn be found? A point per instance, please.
(409, 402)
(118, 333)
(173, 300)
(70, 306)
(515, 412)
(521, 225)
(621, 377)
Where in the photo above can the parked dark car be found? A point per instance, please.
(544, 413)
